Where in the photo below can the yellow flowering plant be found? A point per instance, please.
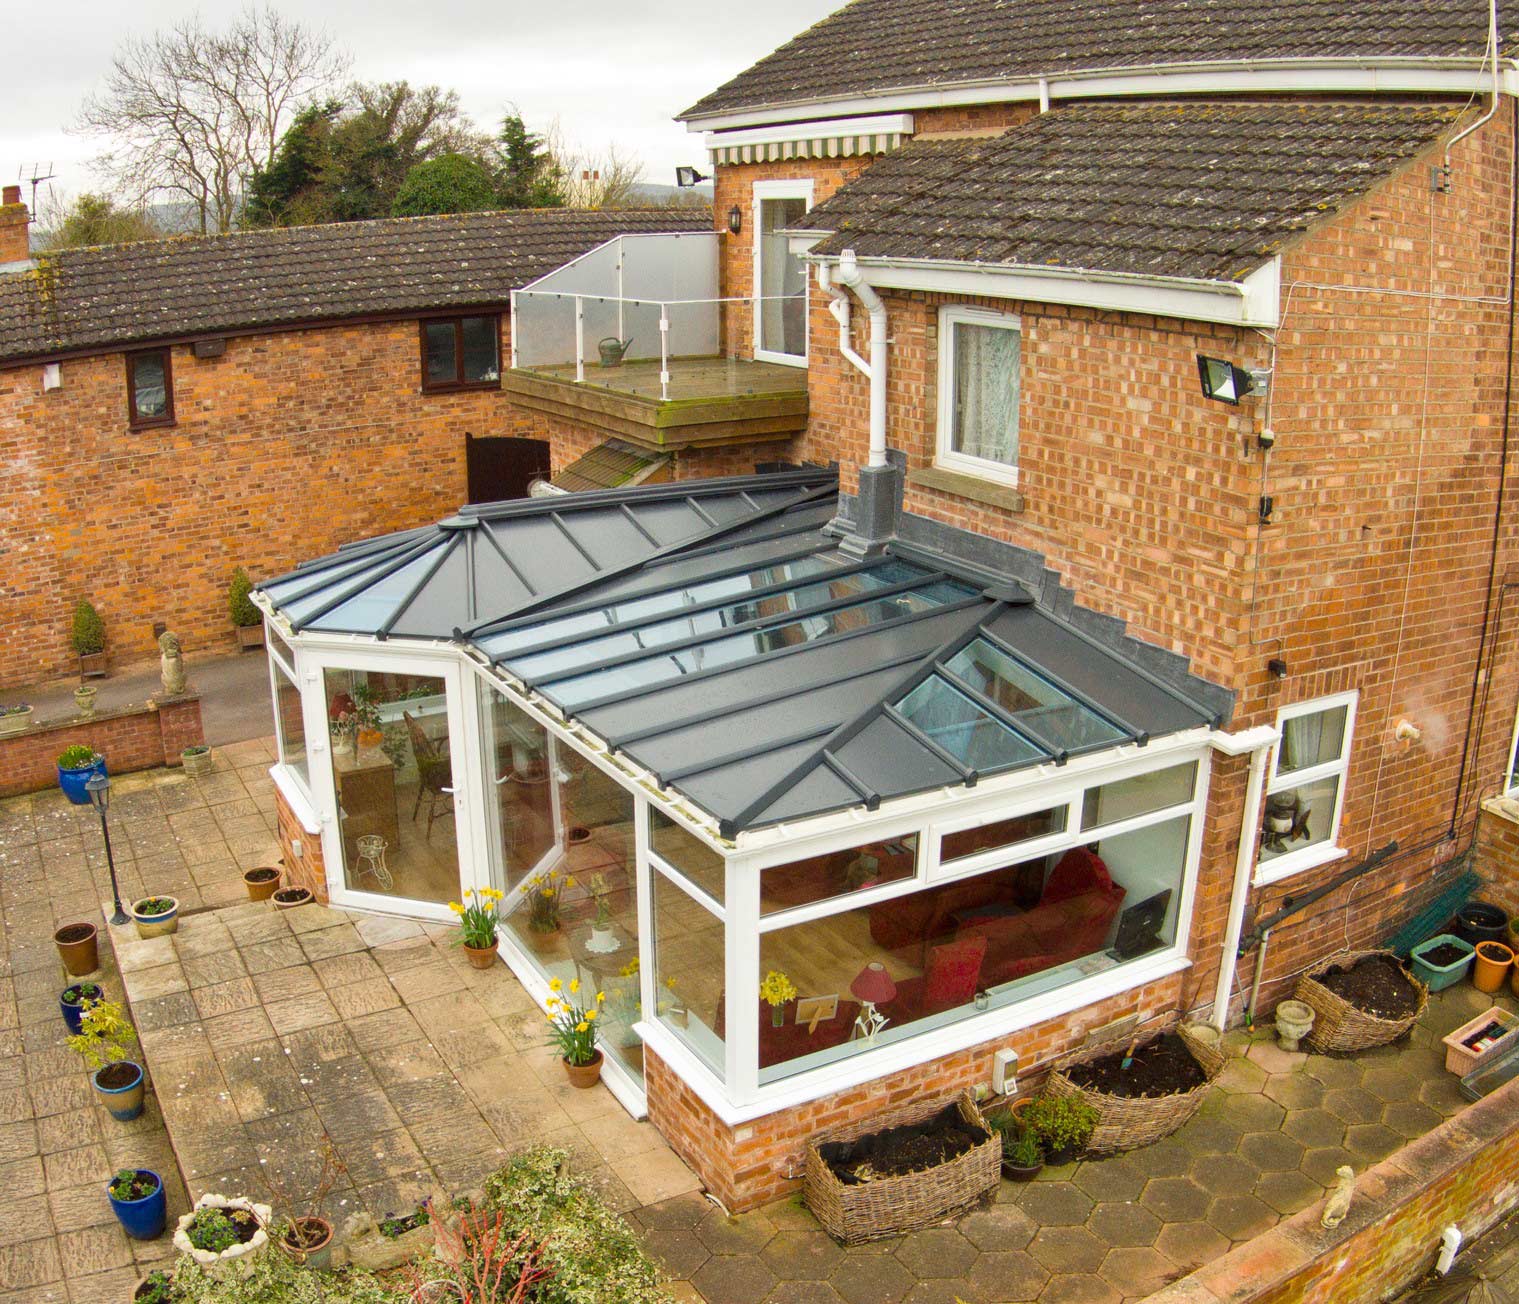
(573, 1021)
(478, 919)
(544, 893)
(777, 989)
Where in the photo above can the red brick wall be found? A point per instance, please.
(305, 868)
(1497, 859)
(568, 442)
(132, 738)
(285, 447)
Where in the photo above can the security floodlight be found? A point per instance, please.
(1227, 383)
(685, 178)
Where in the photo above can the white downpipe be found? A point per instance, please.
(1492, 108)
(1450, 1246)
(838, 306)
(849, 274)
(1261, 741)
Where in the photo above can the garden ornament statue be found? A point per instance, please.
(171, 665)
(1338, 1203)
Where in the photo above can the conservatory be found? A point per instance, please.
(806, 816)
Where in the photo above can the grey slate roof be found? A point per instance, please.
(872, 47)
(113, 295)
(751, 664)
(1198, 189)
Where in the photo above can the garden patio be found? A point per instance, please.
(264, 1030)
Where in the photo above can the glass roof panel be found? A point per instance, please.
(647, 671)
(963, 729)
(1054, 717)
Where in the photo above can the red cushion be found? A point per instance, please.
(1080, 870)
(954, 974)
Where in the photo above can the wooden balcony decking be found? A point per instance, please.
(712, 400)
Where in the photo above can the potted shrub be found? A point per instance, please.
(288, 898)
(76, 764)
(222, 1229)
(137, 1200)
(156, 915)
(1061, 1124)
(78, 949)
(197, 760)
(103, 1040)
(73, 999)
(477, 925)
(261, 882)
(247, 619)
(303, 1234)
(14, 718)
(574, 1033)
(88, 637)
(156, 1288)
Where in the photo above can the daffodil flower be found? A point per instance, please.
(582, 1027)
(556, 984)
(574, 985)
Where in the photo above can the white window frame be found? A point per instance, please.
(1509, 784)
(945, 455)
(1321, 853)
(763, 190)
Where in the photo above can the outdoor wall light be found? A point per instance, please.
(99, 789)
(685, 178)
(1223, 381)
(1276, 668)
(735, 219)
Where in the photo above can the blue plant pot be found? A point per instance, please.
(72, 781)
(72, 1014)
(125, 1103)
(142, 1219)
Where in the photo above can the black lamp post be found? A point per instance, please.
(99, 788)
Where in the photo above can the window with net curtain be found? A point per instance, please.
(979, 384)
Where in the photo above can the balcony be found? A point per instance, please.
(684, 378)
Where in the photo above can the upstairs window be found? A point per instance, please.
(150, 389)
(1306, 794)
(979, 386)
(1511, 779)
(461, 353)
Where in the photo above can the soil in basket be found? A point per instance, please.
(1165, 1067)
(901, 1150)
(1376, 985)
(1443, 955)
(115, 1076)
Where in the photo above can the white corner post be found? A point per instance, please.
(579, 340)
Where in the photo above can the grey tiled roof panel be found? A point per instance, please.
(113, 295)
(872, 47)
(1201, 189)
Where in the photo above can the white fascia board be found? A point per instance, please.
(1252, 302)
(876, 124)
(1386, 76)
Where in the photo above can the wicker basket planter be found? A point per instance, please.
(1340, 1027)
(874, 1210)
(1129, 1122)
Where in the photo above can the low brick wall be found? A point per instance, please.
(1465, 1172)
(303, 868)
(130, 738)
(1497, 854)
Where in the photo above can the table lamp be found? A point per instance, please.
(872, 987)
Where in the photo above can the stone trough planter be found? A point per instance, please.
(239, 1254)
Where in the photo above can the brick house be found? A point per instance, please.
(1165, 576)
(245, 396)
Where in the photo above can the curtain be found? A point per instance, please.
(1312, 739)
(986, 393)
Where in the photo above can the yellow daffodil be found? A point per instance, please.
(582, 1027)
(590, 1016)
(600, 996)
(556, 984)
(456, 907)
(569, 882)
(574, 985)
(548, 891)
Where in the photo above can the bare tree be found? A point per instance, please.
(592, 178)
(191, 114)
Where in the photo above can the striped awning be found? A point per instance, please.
(817, 147)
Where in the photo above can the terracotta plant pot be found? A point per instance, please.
(578, 835)
(156, 925)
(317, 1256)
(1494, 960)
(482, 957)
(261, 882)
(77, 949)
(288, 898)
(583, 1075)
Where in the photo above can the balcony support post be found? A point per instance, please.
(579, 340)
(664, 352)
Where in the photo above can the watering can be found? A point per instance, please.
(613, 350)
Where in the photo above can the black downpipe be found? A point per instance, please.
(1296, 905)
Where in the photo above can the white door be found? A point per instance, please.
(780, 277)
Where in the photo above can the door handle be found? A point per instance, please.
(449, 791)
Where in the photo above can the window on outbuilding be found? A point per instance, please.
(979, 386)
(1306, 794)
(150, 389)
(461, 353)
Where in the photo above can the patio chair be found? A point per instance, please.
(435, 774)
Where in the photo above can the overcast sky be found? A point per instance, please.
(608, 71)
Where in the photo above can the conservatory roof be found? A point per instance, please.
(716, 634)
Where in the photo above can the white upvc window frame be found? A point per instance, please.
(1510, 782)
(798, 188)
(945, 455)
(1320, 853)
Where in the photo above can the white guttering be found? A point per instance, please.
(849, 274)
(1386, 76)
(1492, 108)
(1253, 301)
(1258, 742)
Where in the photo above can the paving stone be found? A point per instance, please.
(1288, 1191)
(1175, 1199)
(328, 942)
(27, 1220)
(300, 1013)
(936, 1252)
(740, 1279)
(1391, 1083)
(1240, 1074)
(1271, 1151)
(1124, 1224)
(1115, 1178)
(872, 1278)
(1067, 1249)
(1371, 1143)
(1191, 1244)
(1225, 1174)
(1057, 1204)
(30, 1263)
(1410, 1118)
(1273, 1059)
(943, 1290)
(211, 969)
(1253, 1113)
(1333, 1072)
(1004, 1227)
(225, 998)
(1240, 1217)
(685, 1210)
(814, 1256)
(1354, 1105)
(286, 984)
(678, 1250)
(1294, 1090)
(88, 1250)
(1079, 1288)
(1136, 1270)
(1007, 1275)
(1315, 1128)
(725, 1234)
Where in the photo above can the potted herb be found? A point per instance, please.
(156, 1288)
(303, 1234)
(78, 949)
(76, 765)
(1022, 1155)
(156, 915)
(103, 1040)
(261, 882)
(137, 1200)
(477, 924)
(72, 1002)
(88, 637)
(222, 1229)
(288, 898)
(1062, 1125)
(574, 1033)
(247, 620)
(14, 718)
(197, 760)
